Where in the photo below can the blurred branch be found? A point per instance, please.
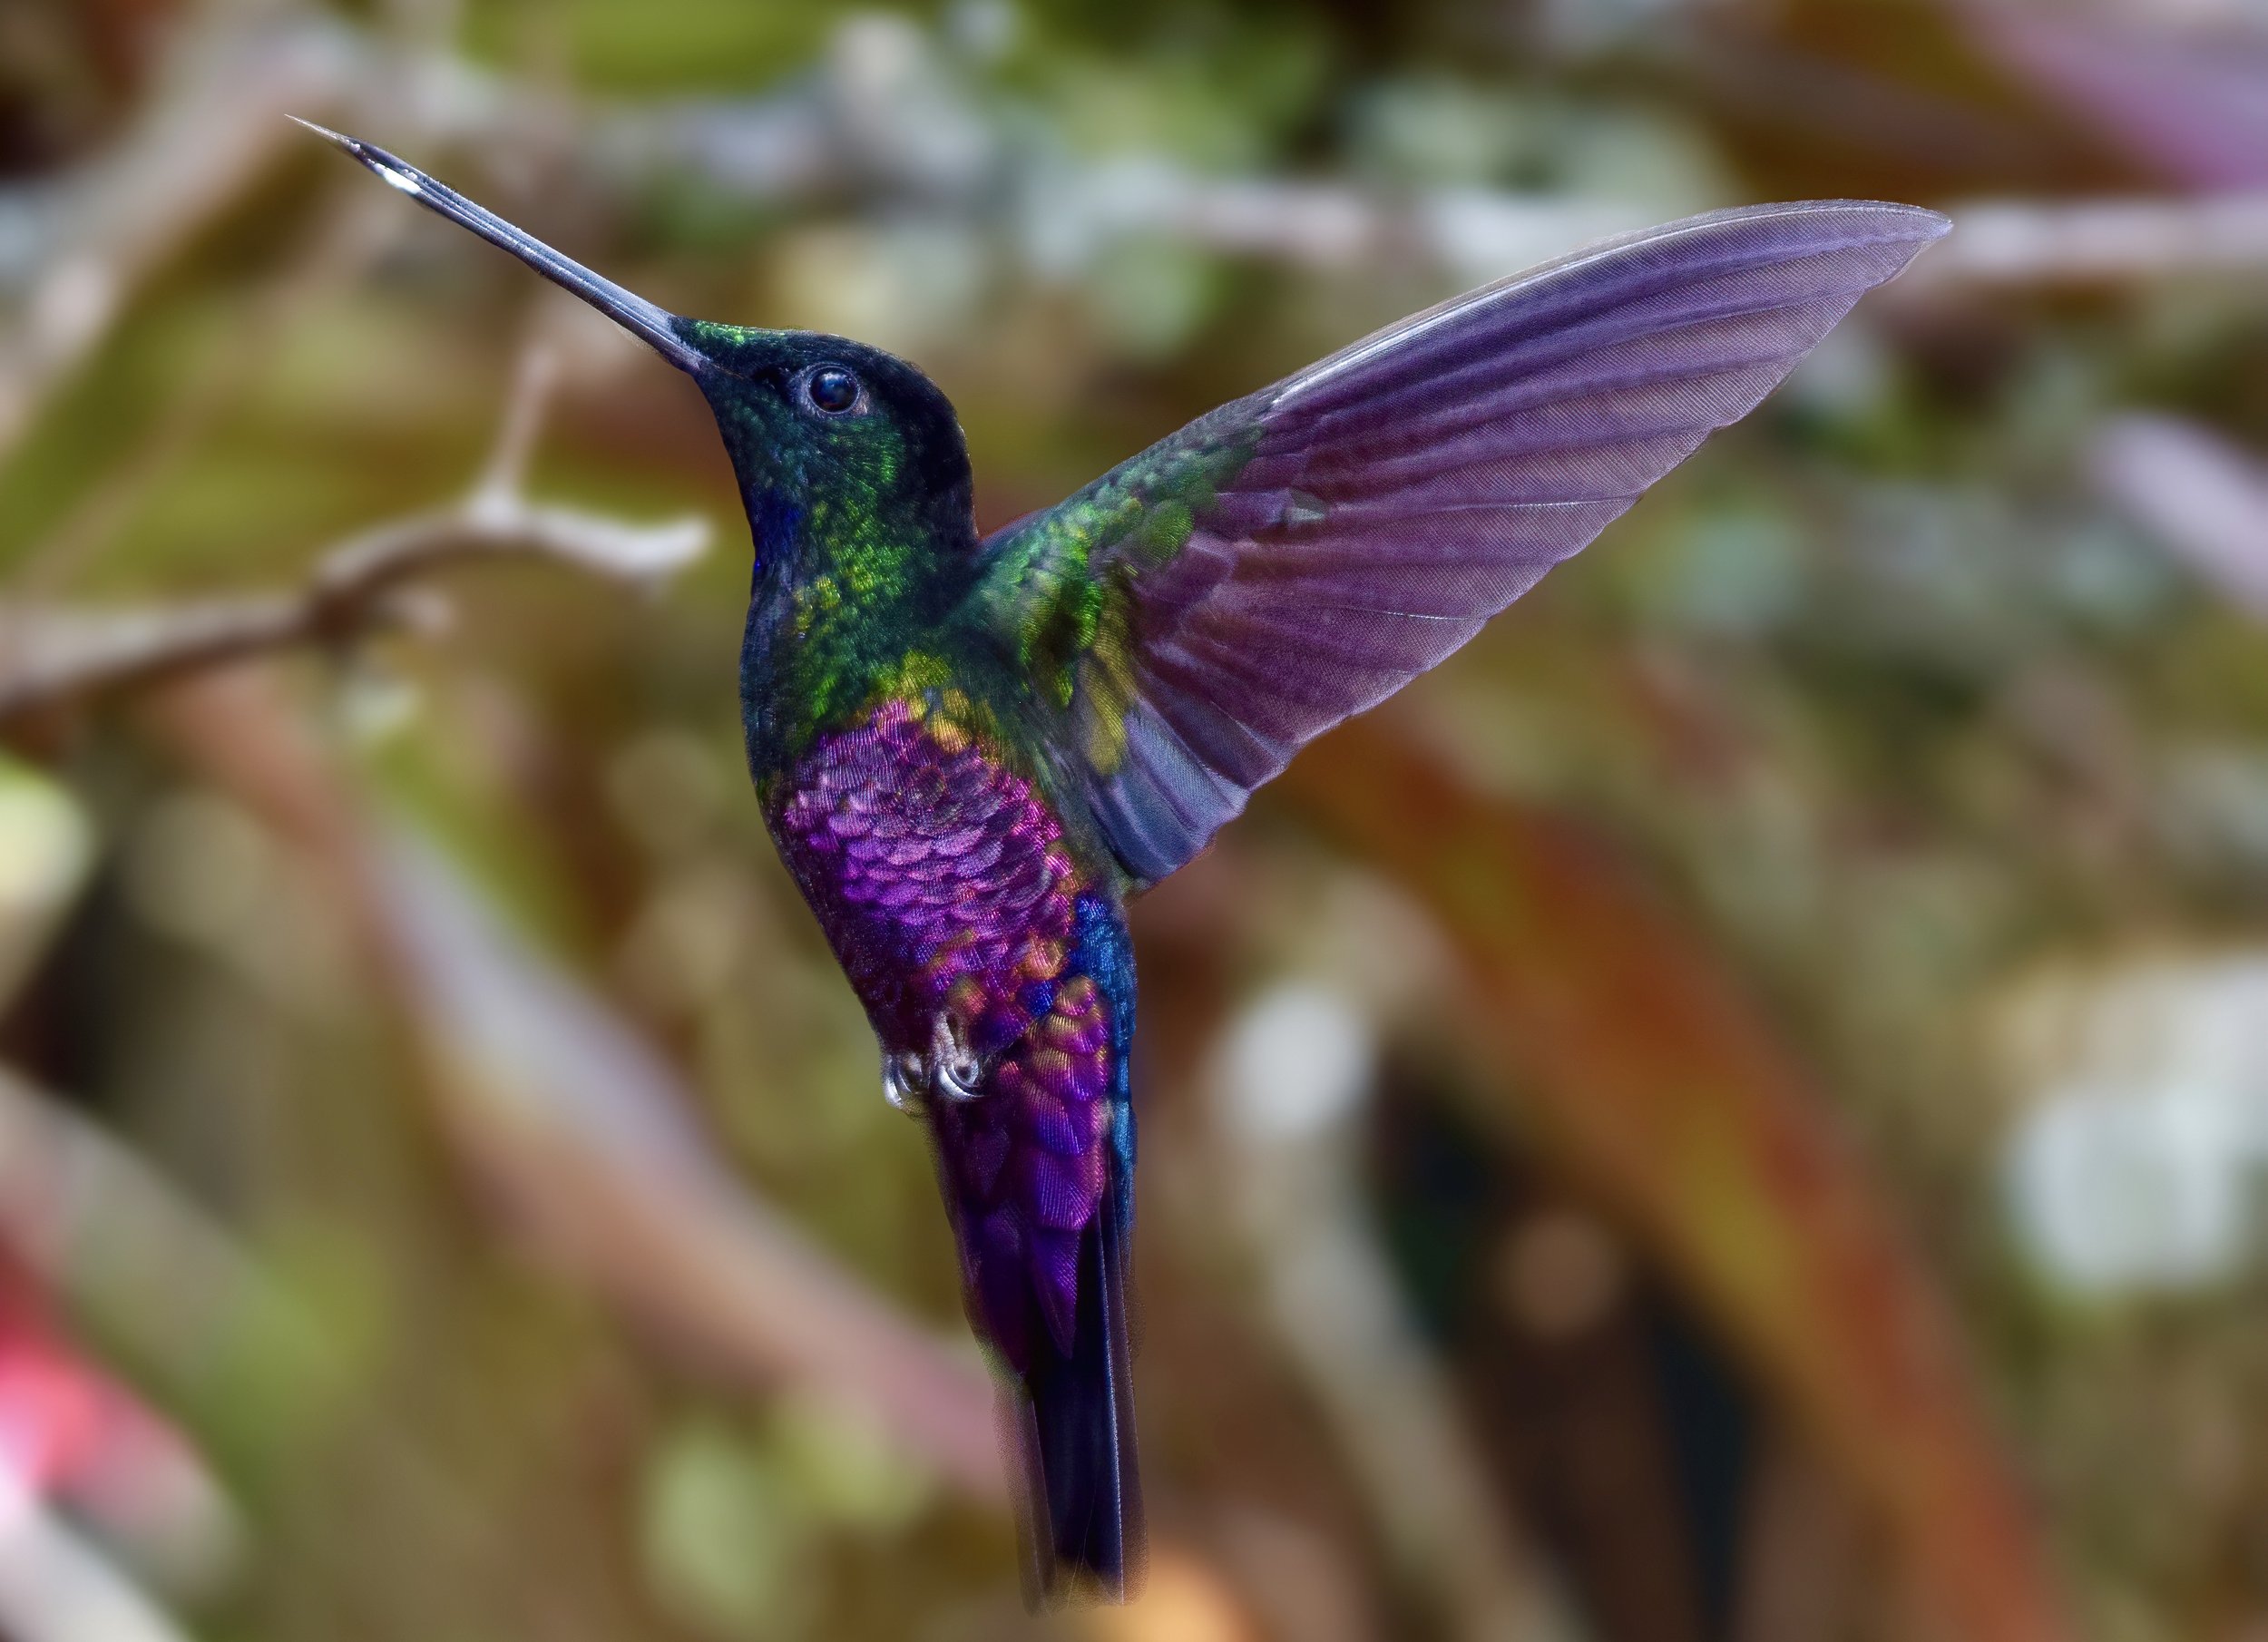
(889, 113)
(2095, 241)
(359, 588)
(2176, 87)
(49, 657)
(892, 113)
(2205, 500)
(577, 1130)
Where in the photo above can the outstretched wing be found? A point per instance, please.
(1193, 616)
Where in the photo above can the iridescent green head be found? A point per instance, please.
(850, 461)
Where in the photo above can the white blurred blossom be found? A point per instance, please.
(2140, 1163)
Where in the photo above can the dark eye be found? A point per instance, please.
(831, 389)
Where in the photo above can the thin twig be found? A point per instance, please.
(49, 657)
(507, 471)
(359, 588)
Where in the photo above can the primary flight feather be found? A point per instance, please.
(971, 751)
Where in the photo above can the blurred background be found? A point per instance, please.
(1735, 1112)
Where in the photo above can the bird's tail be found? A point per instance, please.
(1074, 1418)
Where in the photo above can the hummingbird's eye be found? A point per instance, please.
(831, 389)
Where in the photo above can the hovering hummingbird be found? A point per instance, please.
(972, 749)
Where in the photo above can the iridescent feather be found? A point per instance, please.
(970, 752)
(946, 887)
(1204, 609)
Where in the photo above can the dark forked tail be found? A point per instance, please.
(1083, 1498)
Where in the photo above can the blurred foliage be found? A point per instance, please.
(1889, 720)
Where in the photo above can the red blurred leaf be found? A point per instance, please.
(68, 1429)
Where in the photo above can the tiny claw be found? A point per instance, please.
(901, 1083)
(954, 1072)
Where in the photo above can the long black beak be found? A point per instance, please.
(632, 312)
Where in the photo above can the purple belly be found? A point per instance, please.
(940, 878)
(944, 882)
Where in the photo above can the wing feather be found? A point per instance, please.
(1195, 615)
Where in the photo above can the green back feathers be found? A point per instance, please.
(1055, 586)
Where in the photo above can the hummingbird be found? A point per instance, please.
(973, 749)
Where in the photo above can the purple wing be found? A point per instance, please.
(1210, 606)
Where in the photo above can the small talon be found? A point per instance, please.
(954, 1072)
(902, 1083)
(948, 1070)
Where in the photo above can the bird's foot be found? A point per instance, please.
(903, 1081)
(949, 1070)
(954, 1072)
